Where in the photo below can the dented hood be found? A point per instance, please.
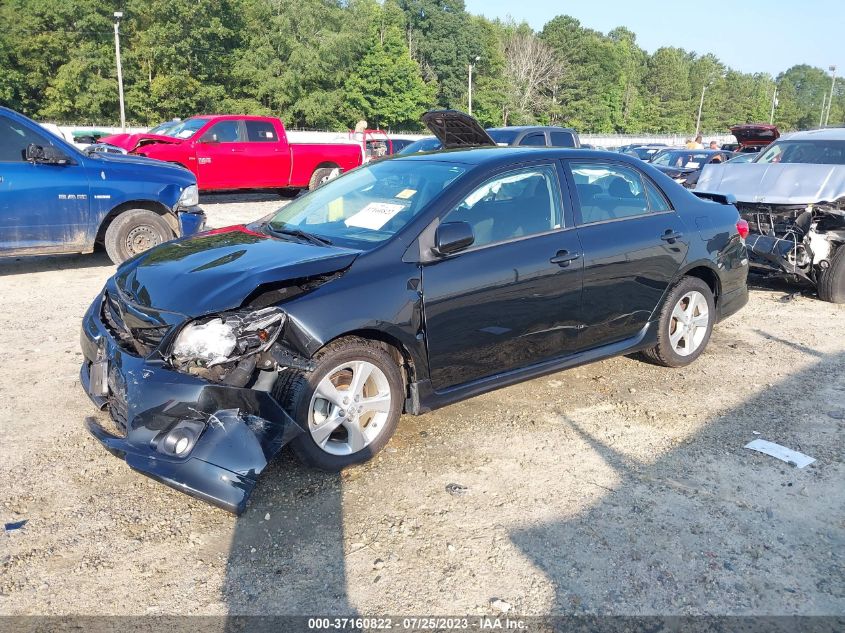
(217, 270)
(775, 183)
(131, 141)
(456, 129)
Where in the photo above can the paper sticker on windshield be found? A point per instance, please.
(693, 165)
(375, 215)
(406, 193)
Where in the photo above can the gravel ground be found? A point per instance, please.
(616, 488)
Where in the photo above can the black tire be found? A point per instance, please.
(663, 353)
(321, 176)
(135, 231)
(832, 278)
(294, 391)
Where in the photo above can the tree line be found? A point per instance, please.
(326, 64)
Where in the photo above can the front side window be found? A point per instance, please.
(260, 132)
(534, 140)
(608, 191)
(14, 139)
(223, 132)
(368, 205)
(511, 205)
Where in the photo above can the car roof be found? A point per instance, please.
(493, 156)
(530, 128)
(825, 134)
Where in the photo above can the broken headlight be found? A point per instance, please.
(227, 337)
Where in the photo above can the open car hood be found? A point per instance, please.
(775, 183)
(755, 134)
(455, 129)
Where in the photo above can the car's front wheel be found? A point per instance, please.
(349, 405)
(686, 321)
(135, 231)
(832, 278)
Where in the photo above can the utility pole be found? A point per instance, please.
(821, 116)
(832, 69)
(700, 106)
(117, 16)
(469, 85)
(774, 105)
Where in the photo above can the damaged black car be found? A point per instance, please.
(793, 197)
(402, 286)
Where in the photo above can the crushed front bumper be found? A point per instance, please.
(231, 433)
(191, 220)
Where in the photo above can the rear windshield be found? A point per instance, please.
(503, 137)
(814, 152)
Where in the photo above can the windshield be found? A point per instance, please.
(503, 137)
(187, 129)
(644, 153)
(813, 152)
(687, 160)
(164, 128)
(369, 204)
(428, 144)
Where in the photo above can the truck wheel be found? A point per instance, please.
(685, 323)
(832, 278)
(349, 406)
(135, 231)
(322, 176)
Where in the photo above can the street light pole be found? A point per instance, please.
(469, 85)
(117, 16)
(774, 105)
(832, 70)
(821, 116)
(700, 106)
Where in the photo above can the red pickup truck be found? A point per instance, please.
(242, 152)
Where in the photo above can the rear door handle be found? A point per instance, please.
(670, 235)
(564, 258)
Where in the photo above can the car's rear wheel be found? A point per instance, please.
(832, 278)
(135, 231)
(350, 405)
(685, 324)
(322, 175)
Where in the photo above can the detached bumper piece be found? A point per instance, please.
(191, 220)
(207, 440)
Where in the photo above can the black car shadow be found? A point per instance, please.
(286, 555)
(210, 197)
(43, 263)
(731, 534)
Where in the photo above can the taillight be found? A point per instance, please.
(742, 228)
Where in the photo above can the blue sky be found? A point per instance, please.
(788, 32)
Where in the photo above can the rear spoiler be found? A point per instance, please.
(721, 198)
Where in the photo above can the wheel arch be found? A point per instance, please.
(408, 365)
(149, 205)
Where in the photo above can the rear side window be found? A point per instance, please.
(538, 139)
(608, 191)
(562, 139)
(260, 132)
(656, 200)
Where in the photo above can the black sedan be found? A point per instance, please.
(684, 165)
(400, 287)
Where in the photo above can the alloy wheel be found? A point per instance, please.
(349, 408)
(689, 323)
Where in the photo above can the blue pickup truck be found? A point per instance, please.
(55, 198)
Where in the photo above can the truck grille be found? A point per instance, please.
(138, 341)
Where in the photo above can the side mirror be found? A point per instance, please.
(48, 155)
(451, 237)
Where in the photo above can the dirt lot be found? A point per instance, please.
(615, 488)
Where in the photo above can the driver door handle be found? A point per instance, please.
(670, 235)
(564, 258)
